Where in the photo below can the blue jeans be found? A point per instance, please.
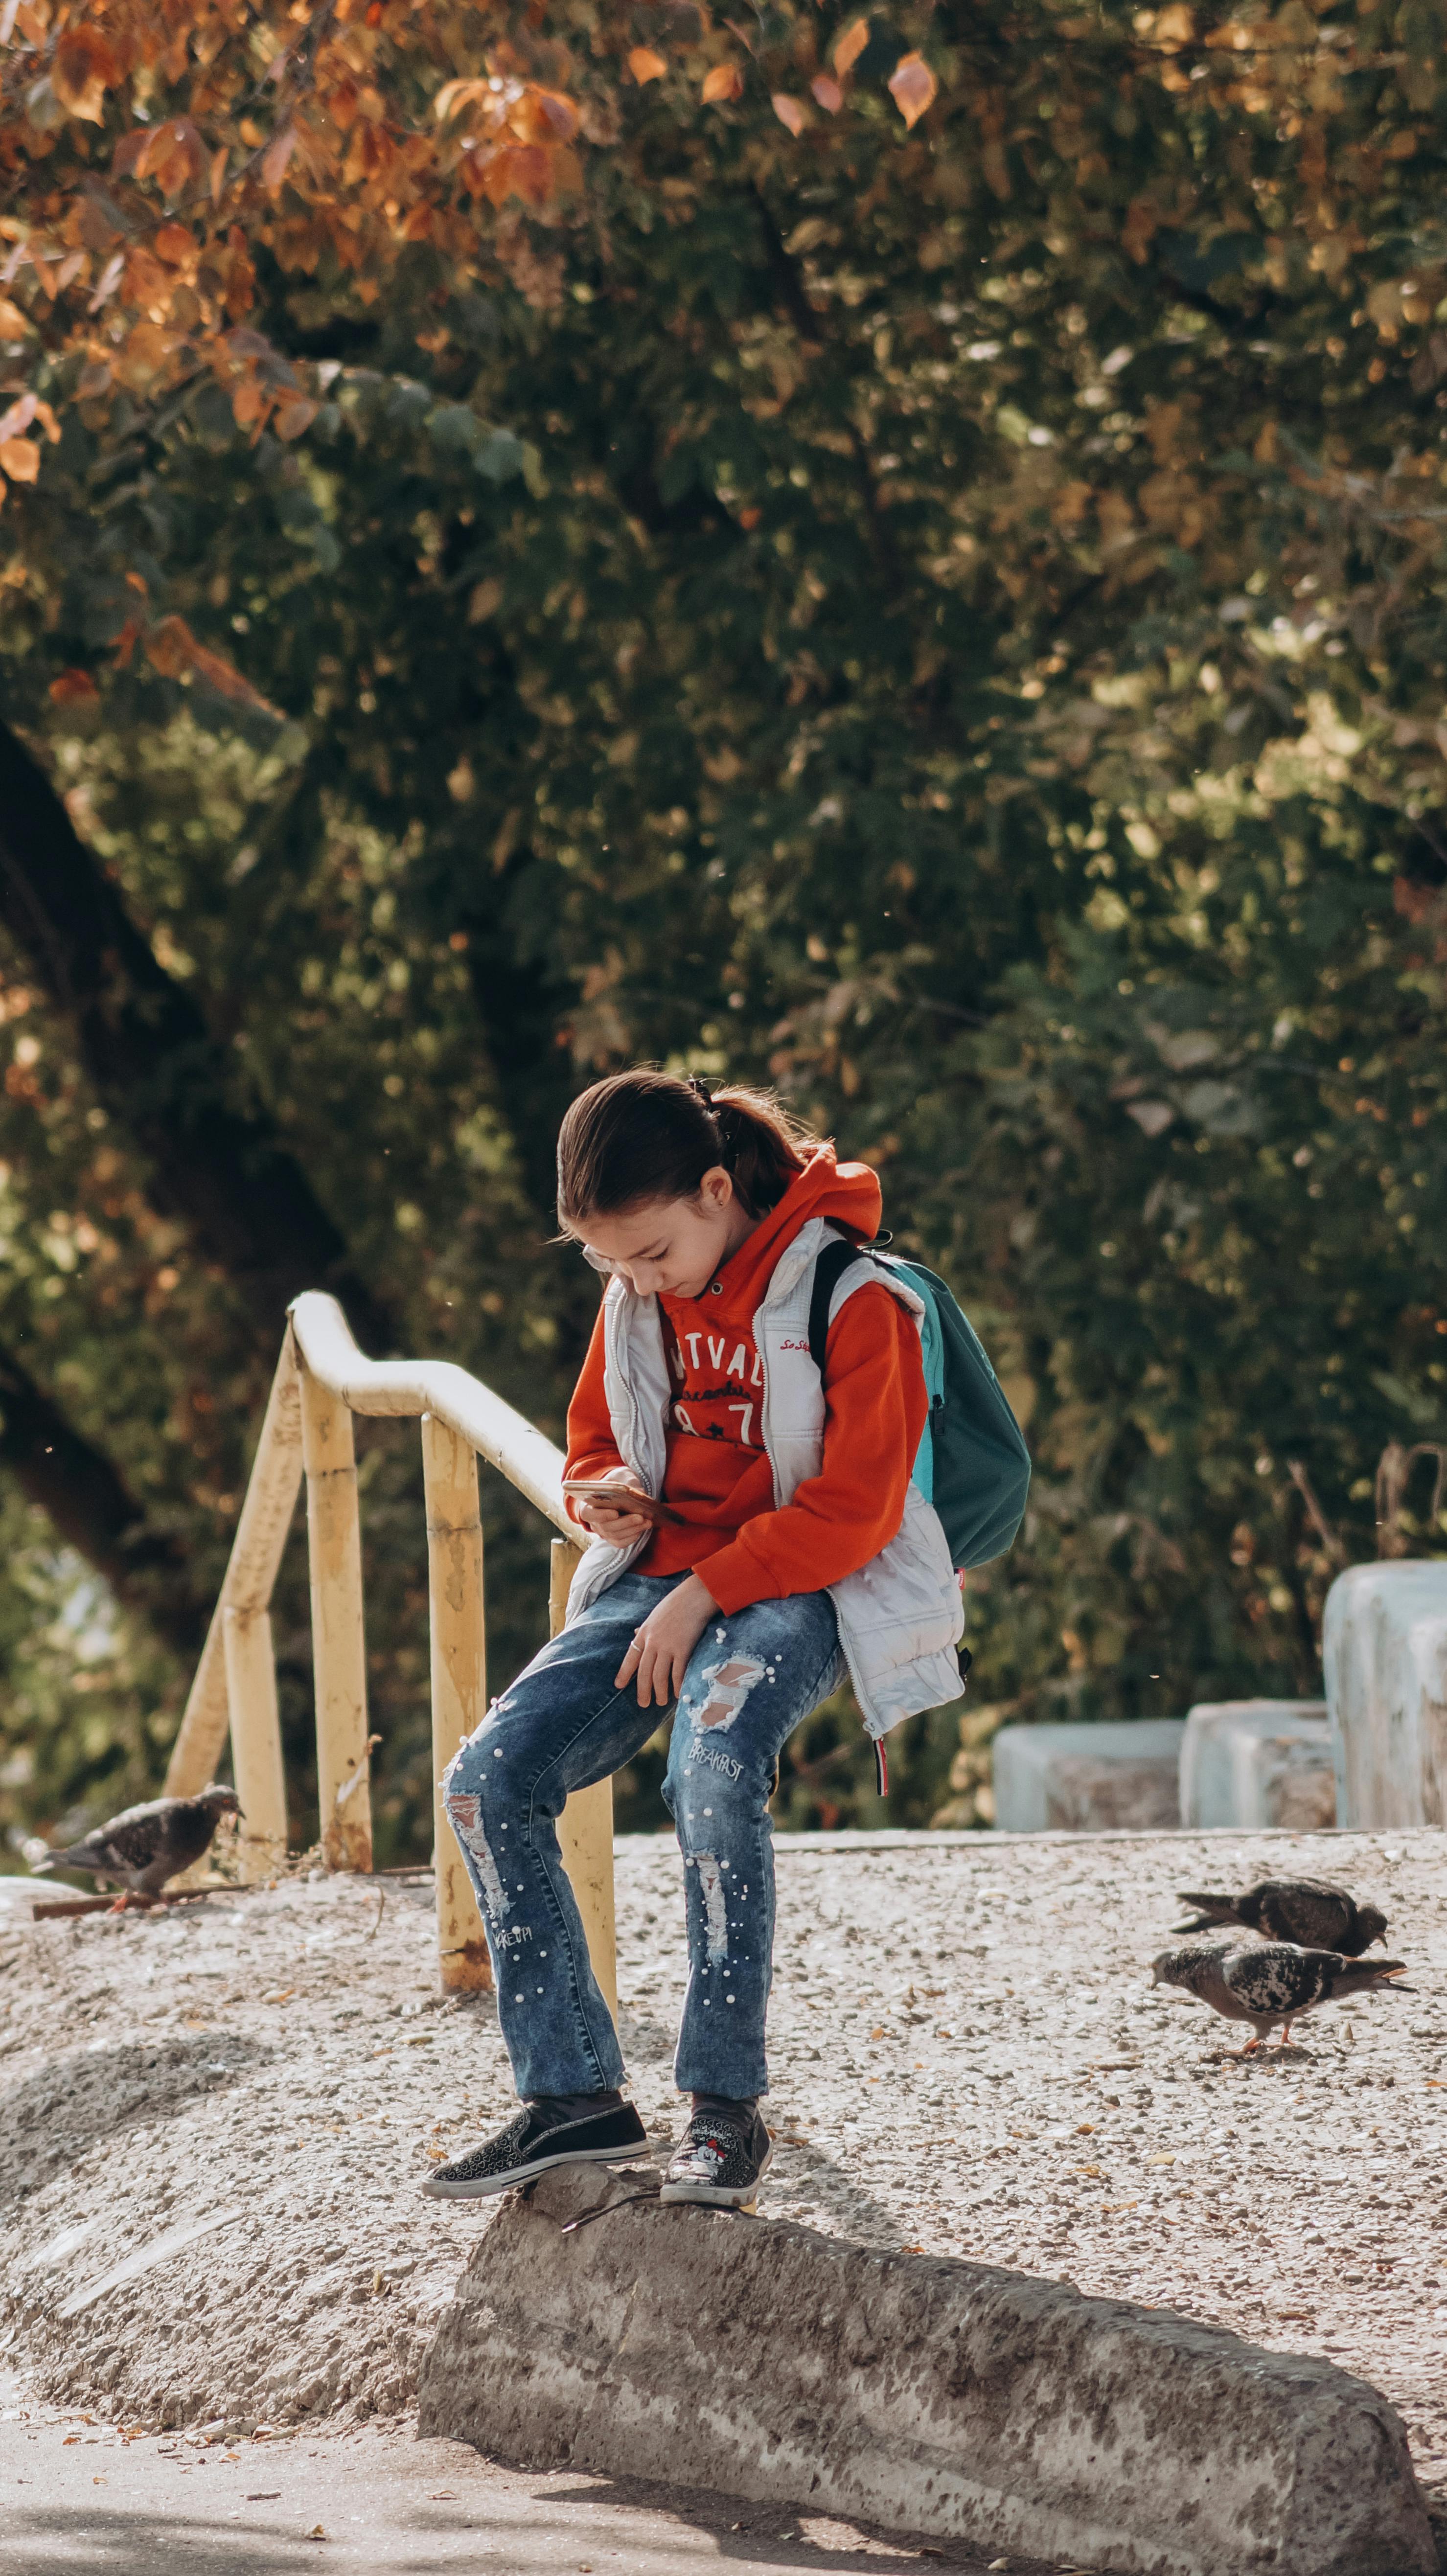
(750, 1681)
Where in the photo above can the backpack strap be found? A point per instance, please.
(829, 1269)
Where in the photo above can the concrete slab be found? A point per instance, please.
(84, 2498)
(1258, 1763)
(1089, 1779)
(1384, 1647)
(941, 2397)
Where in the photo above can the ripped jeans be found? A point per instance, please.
(750, 1681)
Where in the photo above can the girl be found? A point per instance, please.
(794, 1548)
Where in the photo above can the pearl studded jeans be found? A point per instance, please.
(750, 1681)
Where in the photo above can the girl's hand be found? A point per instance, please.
(620, 1529)
(661, 1647)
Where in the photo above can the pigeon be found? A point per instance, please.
(143, 1847)
(1265, 1982)
(1304, 1910)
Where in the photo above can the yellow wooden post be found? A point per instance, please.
(585, 1827)
(459, 1682)
(261, 1534)
(256, 1765)
(339, 1654)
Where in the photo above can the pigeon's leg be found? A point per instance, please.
(1285, 2039)
(122, 1901)
(1249, 2048)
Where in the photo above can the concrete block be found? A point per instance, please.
(1384, 1646)
(1089, 1779)
(951, 2399)
(1254, 1762)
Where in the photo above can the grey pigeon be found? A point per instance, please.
(1265, 1982)
(1304, 1910)
(142, 1848)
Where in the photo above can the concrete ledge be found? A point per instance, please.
(1255, 1762)
(1089, 1778)
(1384, 1649)
(928, 2396)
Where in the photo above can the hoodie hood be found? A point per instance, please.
(848, 1194)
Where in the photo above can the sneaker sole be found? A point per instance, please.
(492, 2184)
(712, 2195)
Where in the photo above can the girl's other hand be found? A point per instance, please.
(620, 1529)
(661, 1647)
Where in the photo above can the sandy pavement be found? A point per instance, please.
(213, 2122)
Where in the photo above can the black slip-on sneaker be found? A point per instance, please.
(719, 2161)
(531, 2145)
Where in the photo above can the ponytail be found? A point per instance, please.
(642, 1136)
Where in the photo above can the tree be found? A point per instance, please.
(943, 612)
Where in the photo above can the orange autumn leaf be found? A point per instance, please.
(850, 46)
(173, 244)
(645, 65)
(73, 689)
(275, 158)
(788, 111)
(13, 323)
(20, 458)
(83, 70)
(913, 87)
(828, 93)
(172, 649)
(724, 82)
(294, 417)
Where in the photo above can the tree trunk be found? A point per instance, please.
(146, 1046)
(85, 1498)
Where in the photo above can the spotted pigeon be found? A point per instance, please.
(1265, 1982)
(1304, 1910)
(142, 1848)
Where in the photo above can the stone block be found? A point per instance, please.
(1089, 1779)
(1384, 1646)
(977, 2406)
(1255, 1762)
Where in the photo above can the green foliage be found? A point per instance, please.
(951, 622)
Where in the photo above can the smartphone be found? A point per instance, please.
(620, 1498)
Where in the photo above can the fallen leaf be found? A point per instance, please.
(878, 2031)
(284, 1997)
(788, 111)
(851, 45)
(13, 323)
(1160, 2160)
(828, 94)
(20, 458)
(645, 65)
(725, 81)
(913, 87)
(316, 2532)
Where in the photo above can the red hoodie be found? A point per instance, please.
(718, 1476)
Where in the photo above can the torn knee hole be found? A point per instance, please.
(729, 1684)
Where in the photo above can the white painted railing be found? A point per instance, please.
(321, 1381)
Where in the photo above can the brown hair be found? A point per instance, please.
(643, 1135)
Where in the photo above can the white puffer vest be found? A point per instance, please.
(901, 1615)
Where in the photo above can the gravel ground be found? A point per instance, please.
(213, 2121)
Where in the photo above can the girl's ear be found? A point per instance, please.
(716, 1189)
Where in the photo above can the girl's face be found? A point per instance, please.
(670, 1247)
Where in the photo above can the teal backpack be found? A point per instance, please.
(972, 1462)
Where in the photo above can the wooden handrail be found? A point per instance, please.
(525, 1455)
(321, 1380)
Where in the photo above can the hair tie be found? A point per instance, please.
(701, 1091)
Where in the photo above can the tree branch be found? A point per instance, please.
(79, 1490)
(159, 1070)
